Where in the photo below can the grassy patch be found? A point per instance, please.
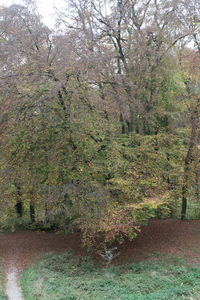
(69, 277)
(2, 296)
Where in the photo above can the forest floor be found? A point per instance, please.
(173, 237)
(179, 238)
(170, 237)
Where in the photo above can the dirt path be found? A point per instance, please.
(23, 248)
(12, 287)
(19, 250)
(179, 238)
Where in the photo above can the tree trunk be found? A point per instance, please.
(188, 160)
(197, 179)
(18, 205)
(46, 216)
(32, 213)
(129, 125)
(184, 192)
(123, 127)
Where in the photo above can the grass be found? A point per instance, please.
(2, 295)
(70, 277)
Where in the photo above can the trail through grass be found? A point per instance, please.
(69, 277)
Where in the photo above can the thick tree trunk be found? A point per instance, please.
(185, 187)
(19, 205)
(197, 179)
(189, 158)
(129, 126)
(19, 208)
(32, 213)
(123, 127)
(197, 169)
(46, 216)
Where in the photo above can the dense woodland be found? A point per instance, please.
(99, 118)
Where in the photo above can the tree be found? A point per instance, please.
(97, 116)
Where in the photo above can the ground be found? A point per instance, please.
(179, 238)
(169, 237)
(175, 237)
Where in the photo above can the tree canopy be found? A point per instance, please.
(99, 119)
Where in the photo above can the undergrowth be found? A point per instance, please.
(70, 277)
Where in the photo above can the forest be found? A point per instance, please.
(99, 118)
